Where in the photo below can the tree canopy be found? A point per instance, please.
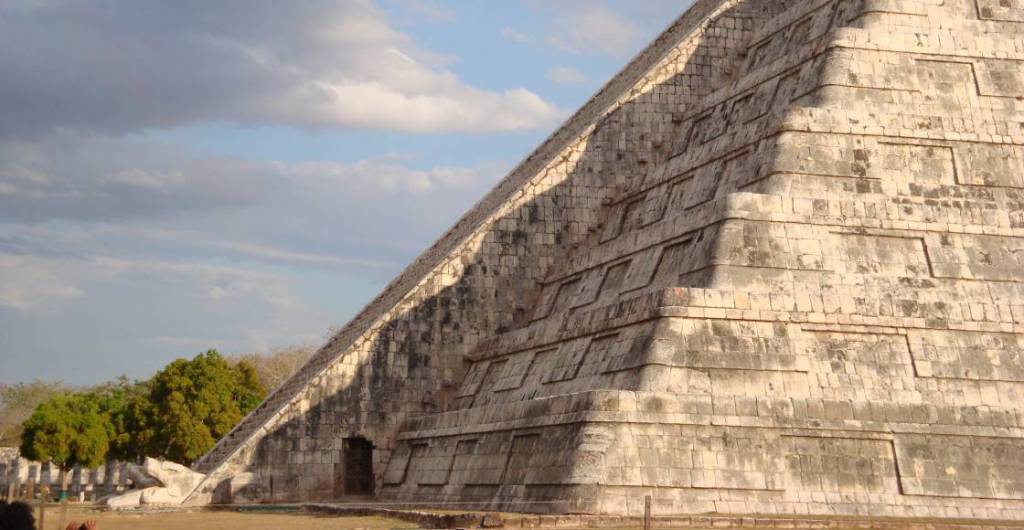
(118, 401)
(68, 430)
(190, 405)
(178, 414)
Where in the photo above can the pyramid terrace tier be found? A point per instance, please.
(775, 267)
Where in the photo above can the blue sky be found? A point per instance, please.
(178, 176)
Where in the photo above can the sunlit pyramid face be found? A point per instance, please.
(776, 266)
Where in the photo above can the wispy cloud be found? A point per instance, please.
(593, 27)
(319, 64)
(29, 285)
(431, 11)
(158, 196)
(565, 75)
(515, 35)
(91, 177)
(35, 284)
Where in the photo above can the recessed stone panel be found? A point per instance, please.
(1001, 10)
(929, 164)
(641, 269)
(613, 223)
(873, 366)
(976, 257)
(840, 465)
(1000, 77)
(633, 215)
(968, 355)
(767, 245)
(495, 372)
(704, 184)
(588, 288)
(995, 165)
(481, 462)
(739, 171)
(521, 460)
(474, 378)
(462, 461)
(882, 255)
(568, 361)
(614, 277)
(521, 367)
(947, 84)
(398, 465)
(656, 204)
(627, 351)
(961, 466)
(699, 130)
(673, 260)
(677, 195)
(429, 466)
(787, 88)
(728, 344)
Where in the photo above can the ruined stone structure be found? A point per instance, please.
(17, 473)
(157, 484)
(775, 266)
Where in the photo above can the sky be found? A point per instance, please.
(180, 176)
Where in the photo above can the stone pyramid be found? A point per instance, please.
(775, 266)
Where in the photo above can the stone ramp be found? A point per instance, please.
(262, 413)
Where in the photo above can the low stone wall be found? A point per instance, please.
(469, 519)
(20, 473)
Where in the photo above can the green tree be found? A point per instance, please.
(189, 405)
(67, 430)
(118, 401)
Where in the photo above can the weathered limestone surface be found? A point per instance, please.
(157, 483)
(776, 266)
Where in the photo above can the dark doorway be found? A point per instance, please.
(357, 462)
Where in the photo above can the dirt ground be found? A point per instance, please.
(200, 520)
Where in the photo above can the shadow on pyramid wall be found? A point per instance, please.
(741, 289)
(416, 360)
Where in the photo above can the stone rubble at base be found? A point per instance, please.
(776, 266)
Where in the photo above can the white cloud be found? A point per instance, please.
(320, 63)
(33, 285)
(565, 75)
(377, 175)
(70, 176)
(592, 27)
(457, 108)
(67, 175)
(225, 246)
(367, 217)
(38, 284)
(515, 35)
(430, 11)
